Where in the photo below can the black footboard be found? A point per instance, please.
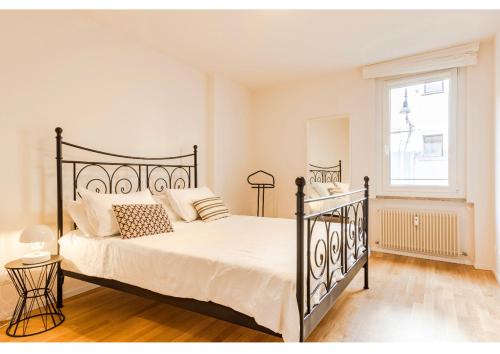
(332, 246)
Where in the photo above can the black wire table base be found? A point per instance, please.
(36, 311)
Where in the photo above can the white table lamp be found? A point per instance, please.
(36, 235)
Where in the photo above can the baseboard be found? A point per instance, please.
(5, 315)
(79, 289)
(484, 266)
(459, 260)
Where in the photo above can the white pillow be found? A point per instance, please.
(311, 193)
(98, 207)
(163, 200)
(182, 200)
(339, 188)
(76, 211)
(323, 188)
(327, 189)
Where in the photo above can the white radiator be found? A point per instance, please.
(429, 232)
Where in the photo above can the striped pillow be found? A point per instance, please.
(210, 209)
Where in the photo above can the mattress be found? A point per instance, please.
(242, 262)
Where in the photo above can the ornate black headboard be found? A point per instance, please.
(122, 174)
(326, 174)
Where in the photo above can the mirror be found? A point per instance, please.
(328, 150)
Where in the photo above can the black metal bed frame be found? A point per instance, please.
(325, 255)
(326, 174)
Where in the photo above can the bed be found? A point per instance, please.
(325, 174)
(279, 276)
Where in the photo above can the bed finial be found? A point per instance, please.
(367, 179)
(300, 181)
(58, 131)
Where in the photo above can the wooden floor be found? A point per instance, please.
(410, 299)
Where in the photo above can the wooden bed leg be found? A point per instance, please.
(60, 282)
(366, 275)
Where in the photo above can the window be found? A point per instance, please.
(433, 145)
(431, 88)
(419, 134)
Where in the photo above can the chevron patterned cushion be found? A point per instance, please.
(135, 220)
(210, 209)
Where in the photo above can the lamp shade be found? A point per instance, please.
(36, 233)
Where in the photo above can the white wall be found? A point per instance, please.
(106, 91)
(497, 152)
(284, 109)
(328, 142)
(480, 154)
(232, 145)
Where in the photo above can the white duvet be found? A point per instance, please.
(243, 262)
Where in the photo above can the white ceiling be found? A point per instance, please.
(263, 47)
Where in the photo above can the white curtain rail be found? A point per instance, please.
(453, 57)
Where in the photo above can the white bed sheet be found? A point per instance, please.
(243, 262)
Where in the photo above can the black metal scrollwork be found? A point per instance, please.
(127, 178)
(179, 177)
(102, 178)
(326, 174)
(335, 241)
(161, 178)
(356, 239)
(125, 185)
(96, 184)
(158, 179)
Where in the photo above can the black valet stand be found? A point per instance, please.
(261, 187)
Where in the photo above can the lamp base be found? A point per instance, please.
(36, 257)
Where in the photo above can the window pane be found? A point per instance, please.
(433, 87)
(433, 145)
(419, 134)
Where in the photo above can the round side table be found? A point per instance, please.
(36, 311)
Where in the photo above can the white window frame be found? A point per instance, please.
(457, 146)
